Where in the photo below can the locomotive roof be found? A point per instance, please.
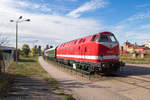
(80, 39)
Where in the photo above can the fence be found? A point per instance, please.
(6, 58)
(72, 69)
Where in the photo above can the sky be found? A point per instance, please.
(57, 21)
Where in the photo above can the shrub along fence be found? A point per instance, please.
(6, 57)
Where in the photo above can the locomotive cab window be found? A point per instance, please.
(112, 38)
(103, 38)
(107, 38)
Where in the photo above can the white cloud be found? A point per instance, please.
(31, 6)
(43, 27)
(139, 16)
(145, 26)
(93, 4)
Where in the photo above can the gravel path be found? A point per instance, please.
(84, 90)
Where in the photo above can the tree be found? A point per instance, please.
(25, 49)
(3, 40)
(35, 50)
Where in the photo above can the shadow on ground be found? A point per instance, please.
(75, 84)
(27, 88)
(131, 70)
(6, 83)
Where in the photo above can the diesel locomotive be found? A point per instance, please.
(97, 53)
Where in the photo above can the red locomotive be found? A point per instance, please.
(97, 53)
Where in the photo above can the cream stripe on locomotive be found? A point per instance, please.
(90, 57)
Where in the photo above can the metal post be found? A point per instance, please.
(16, 41)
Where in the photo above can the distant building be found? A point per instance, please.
(127, 46)
(134, 48)
(147, 44)
(140, 48)
(8, 50)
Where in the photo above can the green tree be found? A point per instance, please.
(25, 49)
(34, 50)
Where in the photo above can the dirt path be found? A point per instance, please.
(84, 90)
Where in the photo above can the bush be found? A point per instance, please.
(25, 50)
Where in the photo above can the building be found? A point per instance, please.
(140, 48)
(7, 51)
(134, 48)
(127, 46)
(147, 44)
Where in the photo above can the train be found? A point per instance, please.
(97, 53)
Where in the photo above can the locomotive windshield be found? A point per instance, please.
(112, 38)
(107, 38)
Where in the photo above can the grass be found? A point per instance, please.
(69, 97)
(28, 67)
(138, 60)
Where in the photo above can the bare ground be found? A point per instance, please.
(110, 89)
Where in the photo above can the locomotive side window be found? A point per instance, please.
(75, 41)
(95, 38)
(80, 41)
(79, 47)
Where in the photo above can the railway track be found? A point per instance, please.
(139, 81)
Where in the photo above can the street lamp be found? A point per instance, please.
(19, 20)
